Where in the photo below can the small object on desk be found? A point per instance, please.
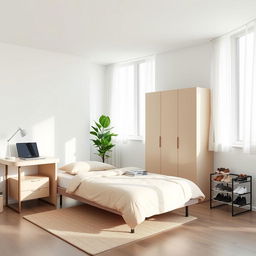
(28, 151)
(22, 133)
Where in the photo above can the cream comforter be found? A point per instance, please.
(135, 197)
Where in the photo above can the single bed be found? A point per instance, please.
(134, 198)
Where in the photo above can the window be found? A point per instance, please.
(244, 74)
(130, 83)
(233, 83)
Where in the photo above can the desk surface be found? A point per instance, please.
(20, 162)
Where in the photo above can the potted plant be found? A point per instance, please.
(103, 137)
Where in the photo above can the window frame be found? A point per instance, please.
(236, 63)
(137, 117)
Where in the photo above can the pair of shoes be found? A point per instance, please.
(223, 170)
(219, 197)
(240, 201)
(240, 190)
(219, 178)
(227, 188)
(222, 187)
(227, 179)
(241, 177)
(227, 199)
(223, 198)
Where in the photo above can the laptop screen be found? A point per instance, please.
(27, 150)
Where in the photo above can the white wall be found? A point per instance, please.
(184, 68)
(98, 100)
(47, 94)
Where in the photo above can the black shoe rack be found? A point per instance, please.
(236, 208)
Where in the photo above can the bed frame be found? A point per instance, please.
(62, 192)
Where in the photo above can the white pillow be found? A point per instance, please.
(74, 168)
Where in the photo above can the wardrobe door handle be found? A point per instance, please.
(160, 141)
(178, 142)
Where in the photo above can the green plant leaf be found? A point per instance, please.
(96, 142)
(99, 126)
(93, 133)
(100, 135)
(104, 141)
(95, 129)
(104, 121)
(108, 139)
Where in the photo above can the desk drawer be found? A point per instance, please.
(34, 183)
(31, 187)
(34, 194)
(29, 182)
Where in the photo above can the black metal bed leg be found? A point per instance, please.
(132, 230)
(60, 201)
(186, 211)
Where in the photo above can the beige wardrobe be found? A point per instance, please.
(177, 130)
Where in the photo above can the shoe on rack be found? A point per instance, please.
(223, 170)
(237, 190)
(237, 200)
(219, 170)
(219, 186)
(219, 197)
(240, 190)
(227, 179)
(224, 177)
(219, 178)
(227, 199)
(241, 201)
(241, 177)
(227, 188)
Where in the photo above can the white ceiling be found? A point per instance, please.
(107, 31)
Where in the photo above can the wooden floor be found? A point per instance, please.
(214, 233)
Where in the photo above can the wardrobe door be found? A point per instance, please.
(153, 132)
(169, 132)
(187, 119)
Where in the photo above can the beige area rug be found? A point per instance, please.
(94, 230)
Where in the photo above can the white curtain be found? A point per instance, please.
(225, 93)
(127, 85)
(222, 126)
(249, 97)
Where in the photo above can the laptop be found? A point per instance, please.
(28, 151)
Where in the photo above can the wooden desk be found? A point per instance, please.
(46, 167)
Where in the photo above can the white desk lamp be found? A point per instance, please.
(22, 133)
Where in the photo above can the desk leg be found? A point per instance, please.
(19, 199)
(6, 185)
